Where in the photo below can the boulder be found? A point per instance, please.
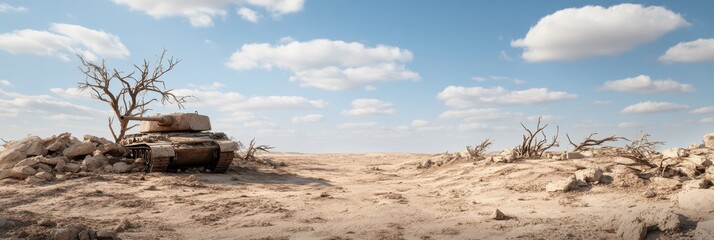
(50, 161)
(425, 164)
(623, 176)
(675, 153)
(18, 173)
(95, 139)
(695, 184)
(699, 200)
(10, 157)
(34, 180)
(43, 168)
(498, 215)
(665, 184)
(562, 185)
(71, 167)
(635, 223)
(589, 175)
(92, 163)
(112, 149)
(58, 143)
(29, 162)
(79, 150)
(709, 140)
(122, 167)
(699, 161)
(46, 176)
(31, 146)
(60, 163)
(108, 168)
(705, 230)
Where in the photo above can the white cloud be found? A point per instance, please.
(699, 50)
(68, 117)
(361, 125)
(64, 40)
(362, 107)
(602, 102)
(653, 107)
(4, 7)
(463, 97)
(704, 110)
(72, 93)
(327, 64)
(5, 83)
(250, 120)
(14, 104)
(503, 55)
(706, 120)
(498, 78)
(310, 118)
(201, 13)
(644, 84)
(576, 33)
(280, 102)
(628, 125)
(248, 14)
(232, 101)
(544, 118)
(420, 123)
(472, 126)
(478, 114)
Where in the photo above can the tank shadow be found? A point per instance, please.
(237, 176)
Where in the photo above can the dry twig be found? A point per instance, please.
(534, 147)
(642, 150)
(589, 142)
(477, 151)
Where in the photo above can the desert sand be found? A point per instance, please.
(357, 196)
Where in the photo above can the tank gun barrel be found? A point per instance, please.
(162, 120)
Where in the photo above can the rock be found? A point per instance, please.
(700, 200)
(34, 180)
(43, 168)
(62, 234)
(79, 150)
(112, 149)
(699, 161)
(563, 185)
(141, 162)
(102, 234)
(96, 140)
(696, 184)
(84, 235)
(589, 175)
(705, 230)
(10, 157)
(649, 194)
(3, 220)
(709, 173)
(59, 166)
(498, 215)
(92, 163)
(30, 146)
(20, 173)
(122, 167)
(665, 184)
(108, 168)
(623, 176)
(71, 167)
(675, 153)
(58, 143)
(46, 223)
(709, 140)
(62, 177)
(574, 155)
(45, 175)
(634, 223)
(426, 164)
(29, 162)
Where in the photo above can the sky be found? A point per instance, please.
(373, 76)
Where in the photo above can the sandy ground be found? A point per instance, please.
(343, 196)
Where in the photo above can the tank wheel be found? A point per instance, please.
(159, 164)
(224, 161)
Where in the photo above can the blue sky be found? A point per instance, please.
(359, 76)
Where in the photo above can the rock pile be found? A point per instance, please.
(36, 160)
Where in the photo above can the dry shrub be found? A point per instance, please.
(589, 141)
(643, 150)
(476, 152)
(532, 146)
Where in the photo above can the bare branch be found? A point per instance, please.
(531, 146)
(589, 141)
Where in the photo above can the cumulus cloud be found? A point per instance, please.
(472, 126)
(4, 7)
(14, 104)
(362, 107)
(544, 118)
(248, 14)
(5, 83)
(360, 125)
(280, 102)
(478, 114)
(653, 107)
(63, 40)
(327, 64)
(699, 50)
(420, 123)
(201, 13)
(706, 120)
(576, 33)
(231, 101)
(310, 118)
(628, 125)
(72, 93)
(465, 97)
(704, 110)
(644, 84)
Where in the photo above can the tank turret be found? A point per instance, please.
(175, 122)
(178, 141)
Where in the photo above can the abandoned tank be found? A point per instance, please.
(178, 141)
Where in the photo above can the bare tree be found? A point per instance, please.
(129, 94)
(589, 141)
(477, 151)
(643, 150)
(251, 150)
(534, 147)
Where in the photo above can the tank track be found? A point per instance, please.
(224, 161)
(159, 164)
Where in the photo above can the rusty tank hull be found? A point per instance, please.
(179, 141)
